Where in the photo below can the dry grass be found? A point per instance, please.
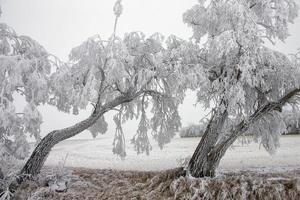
(113, 184)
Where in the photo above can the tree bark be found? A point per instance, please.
(200, 164)
(41, 151)
(208, 154)
(1, 174)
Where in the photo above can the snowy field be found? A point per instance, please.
(97, 153)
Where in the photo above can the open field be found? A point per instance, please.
(97, 154)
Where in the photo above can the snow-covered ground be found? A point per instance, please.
(97, 153)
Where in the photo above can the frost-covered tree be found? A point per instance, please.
(25, 69)
(146, 78)
(245, 82)
(134, 75)
(292, 121)
(192, 130)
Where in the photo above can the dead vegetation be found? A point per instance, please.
(171, 184)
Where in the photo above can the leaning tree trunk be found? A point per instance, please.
(200, 164)
(211, 149)
(41, 151)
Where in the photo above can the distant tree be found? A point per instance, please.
(192, 130)
(245, 82)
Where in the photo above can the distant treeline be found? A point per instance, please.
(192, 130)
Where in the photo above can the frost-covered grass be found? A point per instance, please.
(97, 154)
(117, 184)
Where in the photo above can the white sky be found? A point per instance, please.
(60, 25)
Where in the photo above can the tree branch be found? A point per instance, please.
(244, 125)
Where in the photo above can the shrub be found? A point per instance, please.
(192, 130)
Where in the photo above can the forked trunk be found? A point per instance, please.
(211, 149)
(216, 153)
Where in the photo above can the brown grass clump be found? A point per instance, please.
(170, 184)
(242, 185)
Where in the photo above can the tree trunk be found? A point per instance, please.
(211, 149)
(41, 151)
(220, 148)
(200, 164)
(1, 174)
